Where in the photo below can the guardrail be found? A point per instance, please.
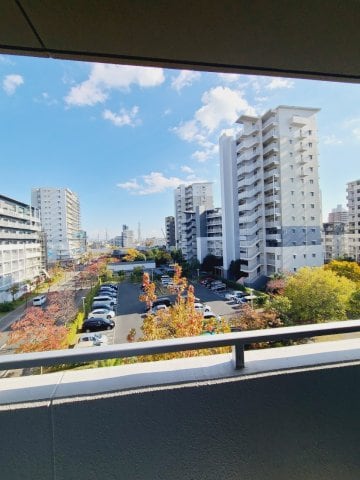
(237, 340)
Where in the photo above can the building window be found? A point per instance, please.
(312, 218)
(290, 141)
(310, 157)
(312, 194)
(310, 132)
(310, 144)
(294, 256)
(291, 180)
(292, 192)
(293, 218)
(304, 255)
(312, 205)
(314, 255)
(294, 269)
(293, 230)
(303, 205)
(311, 169)
(292, 167)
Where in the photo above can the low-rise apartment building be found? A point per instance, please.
(22, 249)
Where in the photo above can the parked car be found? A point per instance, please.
(218, 286)
(102, 312)
(105, 298)
(159, 307)
(96, 305)
(39, 301)
(202, 307)
(234, 295)
(210, 315)
(161, 301)
(95, 324)
(92, 340)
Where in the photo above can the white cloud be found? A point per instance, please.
(123, 118)
(154, 182)
(331, 140)
(221, 107)
(184, 79)
(166, 112)
(6, 60)
(103, 78)
(11, 83)
(130, 185)
(279, 82)
(186, 169)
(229, 77)
(354, 126)
(222, 104)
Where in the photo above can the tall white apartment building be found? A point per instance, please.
(277, 209)
(21, 245)
(187, 198)
(353, 203)
(60, 218)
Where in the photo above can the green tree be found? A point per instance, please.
(354, 305)
(317, 295)
(14, 289)
(211, 261)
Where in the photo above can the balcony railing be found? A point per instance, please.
(237, 340)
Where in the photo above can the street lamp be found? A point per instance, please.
(83, 303)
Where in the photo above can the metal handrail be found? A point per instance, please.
(237, 340)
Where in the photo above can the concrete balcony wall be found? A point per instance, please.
(292, 413)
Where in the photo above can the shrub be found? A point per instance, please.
(6, 307)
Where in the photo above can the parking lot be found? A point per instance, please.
(130, 311)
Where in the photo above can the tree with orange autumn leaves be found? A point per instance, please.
(180, 320)
(37, 331)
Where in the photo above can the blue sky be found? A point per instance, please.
(124, 137)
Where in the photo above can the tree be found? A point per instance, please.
(180, 320)
(133, 255)
(276, 286)
(177, 256)
(211, 261)
(250, 319)
(317, 295)
(14, 289)
(37, 331)
(354, 305)
(148, 296)
(350, 270)
(235, 269)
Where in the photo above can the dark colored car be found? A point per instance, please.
(161, 301)
(97, 324)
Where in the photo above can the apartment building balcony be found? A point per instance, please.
(249, 231)
(272, 212)
(250, 218)
(301, 147)
(250, 204)
(270, 135)
(19, 226)
(302, 160)
(271, 199)
(272, 174)
(271, 162)
(245, 168)
(302, 135)
(289, 412)
(298, 121)
(271, 149)
(18, 236)
(274, 236)
(269, 123)
(271, 188)
(272, 224)
(252, 265)
(250, 192)
(11, 213)
(250, 240)
(248, 180)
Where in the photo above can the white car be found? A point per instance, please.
(210, 315)
(101, 313)
(92, 340)
(161, 306)
(201, 307)
(236, 295)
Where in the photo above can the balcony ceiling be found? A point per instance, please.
(309, 39)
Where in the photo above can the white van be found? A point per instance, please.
(38, 301)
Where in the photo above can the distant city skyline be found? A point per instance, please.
(123, 138)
